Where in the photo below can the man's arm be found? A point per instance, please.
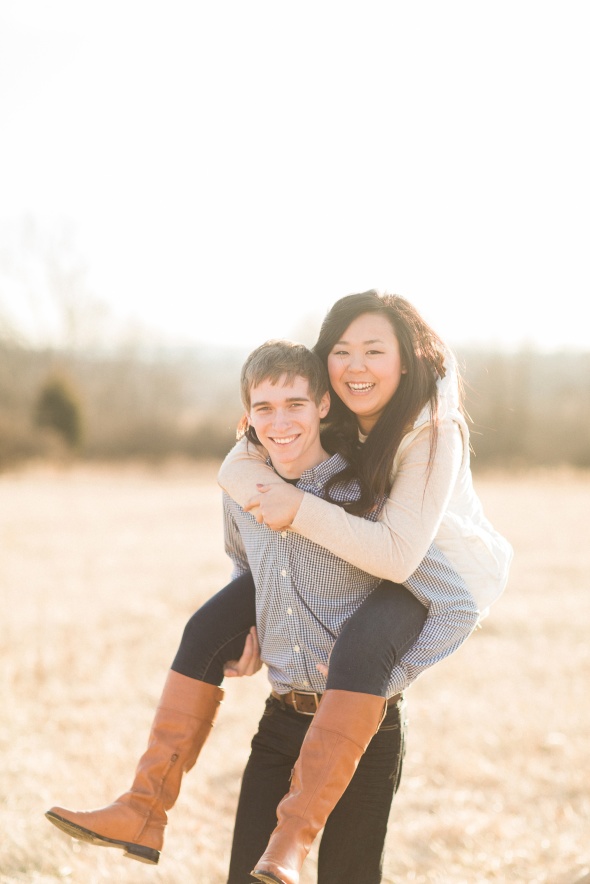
(250, 662)
(452, 617)
(234, 545)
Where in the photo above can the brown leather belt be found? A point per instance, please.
(307, 702)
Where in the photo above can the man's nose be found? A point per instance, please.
(281, 420)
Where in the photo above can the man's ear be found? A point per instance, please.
(324, 404)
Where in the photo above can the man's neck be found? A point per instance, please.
(293, 471)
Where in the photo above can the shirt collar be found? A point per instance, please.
(324, 471)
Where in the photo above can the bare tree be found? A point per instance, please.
(45, 297)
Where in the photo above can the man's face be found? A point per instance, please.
(287, 423)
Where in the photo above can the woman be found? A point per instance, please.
(407, 438)
(387, 400)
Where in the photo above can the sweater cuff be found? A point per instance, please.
(308, 516)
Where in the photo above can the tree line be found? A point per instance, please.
(526, 408)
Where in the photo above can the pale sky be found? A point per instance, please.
(226, 170)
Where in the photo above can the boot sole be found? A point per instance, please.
(266, 877)
(133, 851)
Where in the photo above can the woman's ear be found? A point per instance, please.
(243, 425)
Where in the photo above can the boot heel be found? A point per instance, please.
(266, 877)
(142, 854)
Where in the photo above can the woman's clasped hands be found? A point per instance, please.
(275, 505)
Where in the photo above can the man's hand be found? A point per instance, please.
(250, 662)
(275, 505)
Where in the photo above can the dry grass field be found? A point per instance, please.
(99, 569)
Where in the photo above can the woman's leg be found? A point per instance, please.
(217, 631)
(374, 639)
(184, 718)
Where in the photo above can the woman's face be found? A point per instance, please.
(365, 367)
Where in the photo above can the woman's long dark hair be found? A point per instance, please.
(422, 355)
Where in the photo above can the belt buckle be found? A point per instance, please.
(305, 694)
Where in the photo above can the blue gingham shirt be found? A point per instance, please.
(304, 594)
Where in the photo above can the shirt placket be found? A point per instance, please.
(289, 607)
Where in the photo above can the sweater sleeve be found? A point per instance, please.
(392, 547)
(243, 467)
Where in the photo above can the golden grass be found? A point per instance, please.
(100, 568)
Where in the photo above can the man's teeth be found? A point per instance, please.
(361, 386)
(284, 440)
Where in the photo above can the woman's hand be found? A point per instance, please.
(250, 662)
(275, 505)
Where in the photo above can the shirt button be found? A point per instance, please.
(283, 573)
(296, 648)
(283, 533)
(305, 684)
(289, 611)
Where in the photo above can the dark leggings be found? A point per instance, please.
(371, 643)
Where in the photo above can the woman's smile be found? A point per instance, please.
(360, 388)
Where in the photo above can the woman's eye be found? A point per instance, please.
(340, 353)
(374, 352)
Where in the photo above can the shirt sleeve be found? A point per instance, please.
(234, 545)
(392, 547)
(243, 467)
(452, 617)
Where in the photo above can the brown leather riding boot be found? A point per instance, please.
(338, 736)
(135, 821)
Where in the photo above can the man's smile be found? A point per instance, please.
(283, 440)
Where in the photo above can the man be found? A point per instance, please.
(302, 601)
(304, 597)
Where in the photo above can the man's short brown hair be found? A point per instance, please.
(274, 359)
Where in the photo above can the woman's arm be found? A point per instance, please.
(393, 547)
(243, 468)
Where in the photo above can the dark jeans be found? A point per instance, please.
(371, 642)
(217, 631)
(351, 848)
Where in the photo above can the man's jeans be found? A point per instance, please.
(351, 848)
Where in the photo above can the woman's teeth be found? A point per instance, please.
(358, 388)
